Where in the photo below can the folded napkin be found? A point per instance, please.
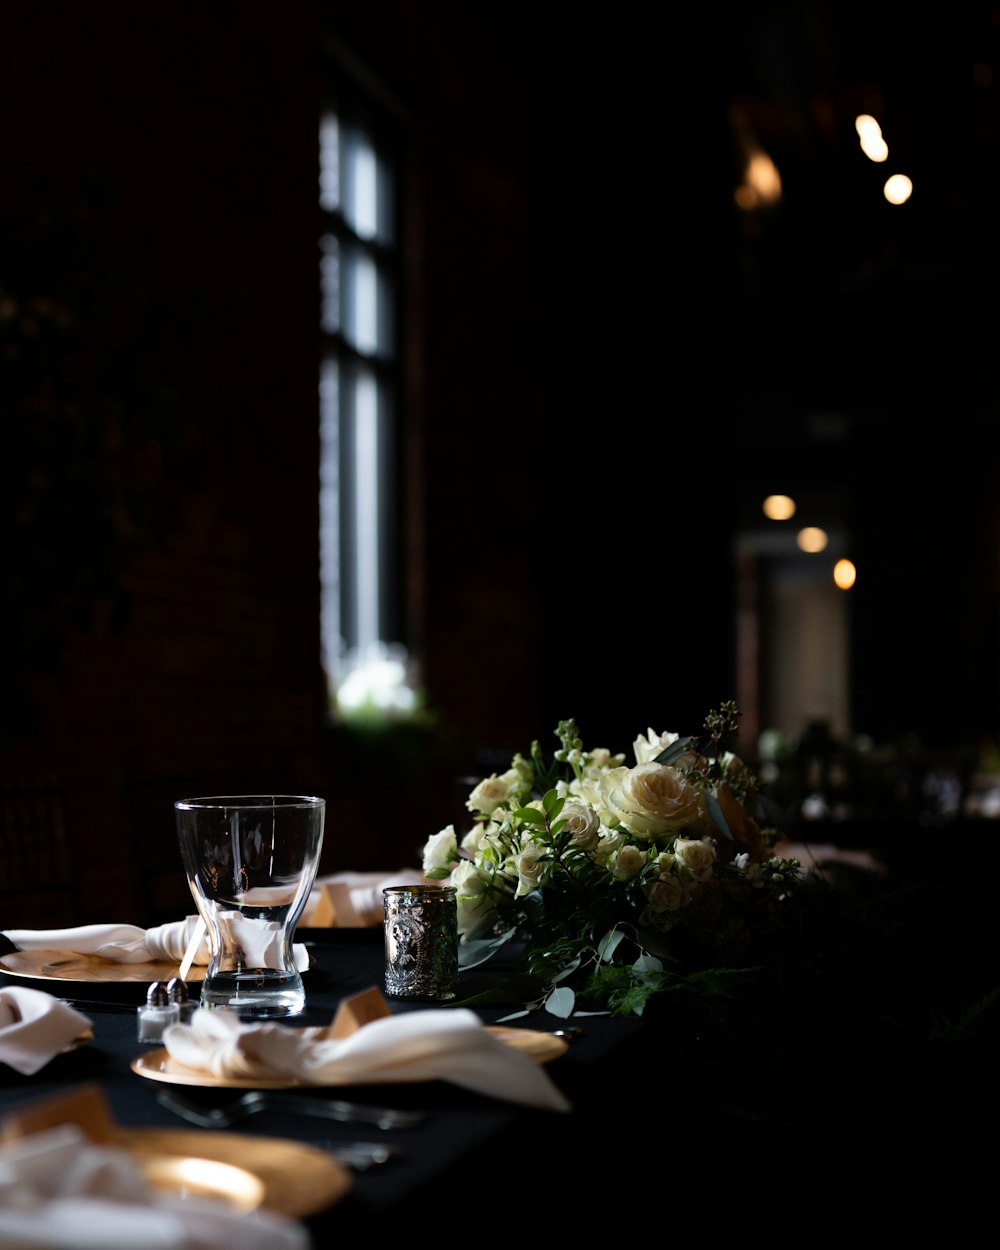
(364, 893)
(447, 1044)
(129, 944)
(60, 1191)
(35, 1027)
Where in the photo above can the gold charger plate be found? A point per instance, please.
(541, 1046)
(282, 1175)
(89, 969)
(159, 1065)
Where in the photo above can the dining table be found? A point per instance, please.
(461, 1135)
(827, 1091)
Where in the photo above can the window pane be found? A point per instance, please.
(366, 662)
(329, 163)
(329, 281)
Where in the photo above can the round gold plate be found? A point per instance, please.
(541, 1046)
(159, 1065)
(89, 969)
(183, 1176)
(281, 1175)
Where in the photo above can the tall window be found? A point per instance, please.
(364, 653)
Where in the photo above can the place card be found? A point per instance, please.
(335, 909)
(85, 1107)
(356, 1011)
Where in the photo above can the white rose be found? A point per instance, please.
(583, 825)
(626, 863)
(667, 894)
(488, 795)
(440, 850)
(475, 906)
(649, 745)
(588, 790)
(514, 782)
(696, 856)
(475, 839)
(611, 840)
(531, 868)
(652, 799)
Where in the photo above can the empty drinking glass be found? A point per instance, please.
(251, 861)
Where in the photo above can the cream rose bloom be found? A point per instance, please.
(583, 824)
(626, 863)
(651, 800)
(695, 855)
(487, 795)
(440, 850)
(475, 907)
(475, 839)
(649, 745)
(667, 894)
(530, 867)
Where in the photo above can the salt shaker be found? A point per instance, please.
(157, 1013)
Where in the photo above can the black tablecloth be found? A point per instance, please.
(461, 1131)
(862, 1084)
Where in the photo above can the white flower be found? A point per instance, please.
(666, 894)
(475, 905)
(531, 868)
(649, 745)
(626, 862)
(610, 841)
(440, 850)
(474, 839)
(583, 824)
(488, 795)
(696, 855)
(515, 782)
(652, 799)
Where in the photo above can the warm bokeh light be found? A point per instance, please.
(870, 134)
(898, 189)
(844, 574)
(761, 184)
(811, 539)
(779, 507)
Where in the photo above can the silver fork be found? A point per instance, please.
(224, 1114)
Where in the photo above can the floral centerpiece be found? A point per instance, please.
(617, 877)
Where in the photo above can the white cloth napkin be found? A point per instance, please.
(447, 1044)
(35, 1027)
(130, 944)
(60, 1191)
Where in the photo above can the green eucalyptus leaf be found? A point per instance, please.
(608, 944)
(674, 751)
(568, 971)
(561, 1002)
(472, 954)
(648, 968)
(514, 1015)
(715, 811)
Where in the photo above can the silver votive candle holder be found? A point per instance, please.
(421, 942)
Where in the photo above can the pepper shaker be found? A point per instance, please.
(157, 1013)
(177, 992)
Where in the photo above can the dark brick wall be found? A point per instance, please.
(162, 616)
